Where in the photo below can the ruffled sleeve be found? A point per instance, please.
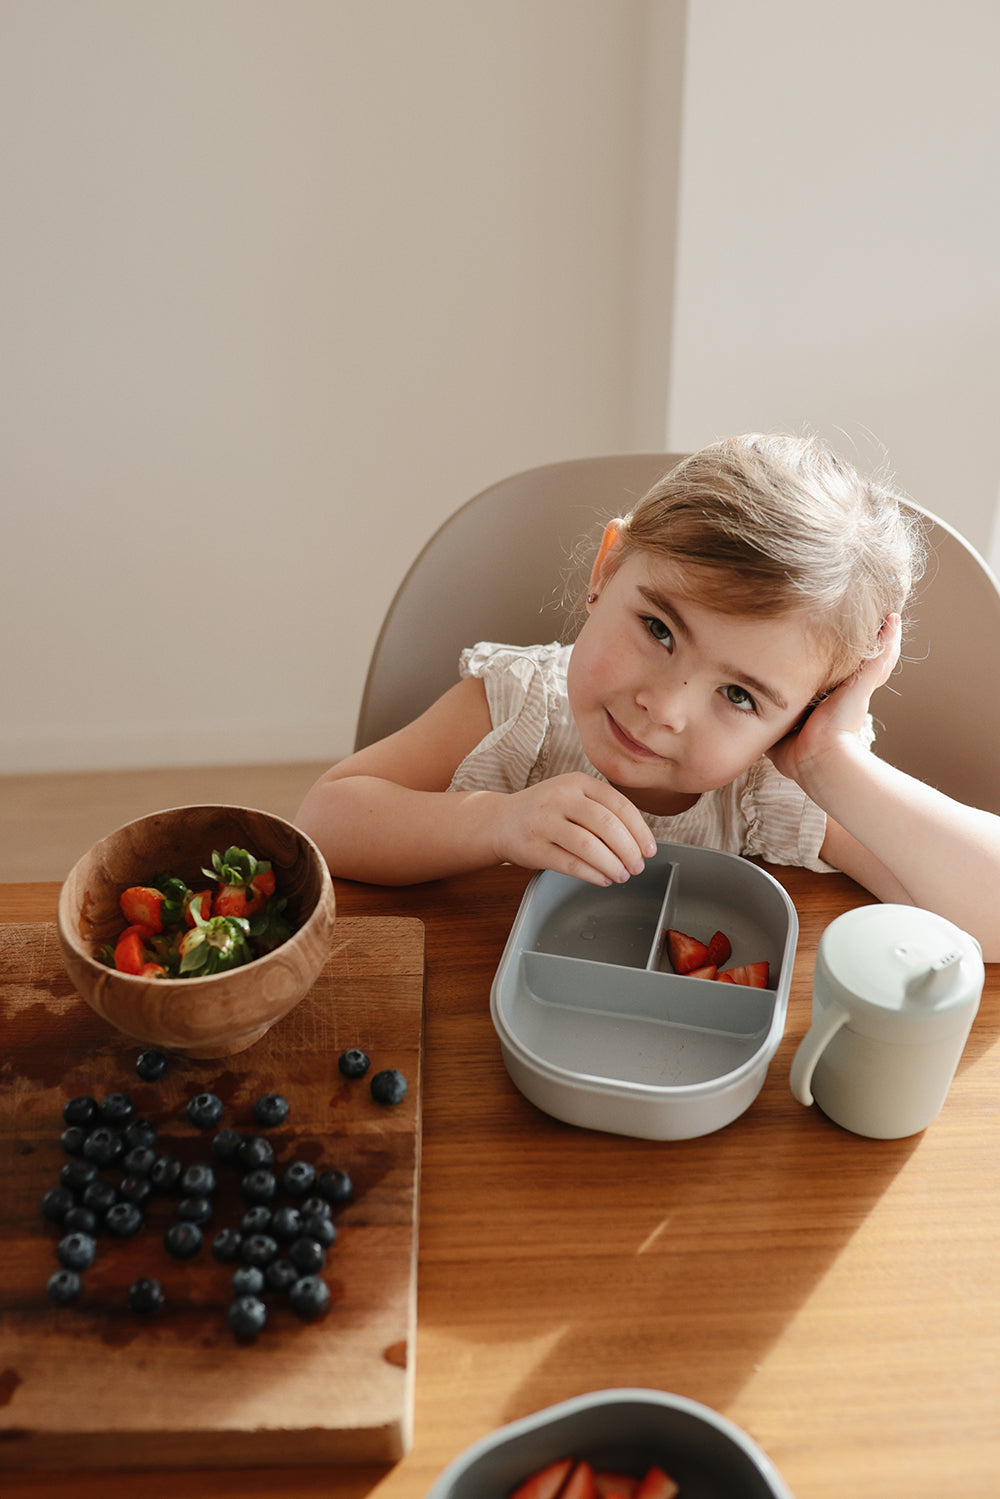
(518, 698)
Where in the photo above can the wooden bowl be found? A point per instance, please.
(223, 1013)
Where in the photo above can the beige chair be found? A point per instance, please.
(493, 571)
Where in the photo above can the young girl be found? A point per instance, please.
(738, 621)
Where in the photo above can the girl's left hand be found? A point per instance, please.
(841, 714)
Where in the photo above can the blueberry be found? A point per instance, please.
(204, 1110)
(135, 1188)
(281, 1275)
(100, 1196)
(286, 1224)
(72, 1139)
(198, 1181)
(259, 1186)
(145, 1295)
(257, 1220)
(322, 1230)
(226, 1245)
(57, 1202)
(315, 1207)
(298, 1178)
(165, 1174)
(335, 1186)
(309, 1297)
(353, 1063)
(139, 1161)
(270, 1109)
(226, 1144)
(116, 1108)
(183, 1240)
(76, 1251)
(259, 1250)
(124, 1220)
(255, 1151)
(81, 1220)
(308, 1256)
(248, 1280)
(247, 1316)
(103, 1145)
(82, 1110)
(64, 1286)
(139, 1134)
(150, 1065)
(195, 1209)
(388, 1086)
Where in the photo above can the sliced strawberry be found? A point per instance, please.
(753, 975)
(130, 953)
(202, 903)
(580, 1484)
(615, 1485)
(264, 882)
(142, 906)
(152, 971)
(656, 1485)
(708, 972)
(685, 953)
(546, 1482)
(720, 949)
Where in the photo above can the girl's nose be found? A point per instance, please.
(667, 703)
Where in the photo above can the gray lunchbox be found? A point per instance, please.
(595, 1027)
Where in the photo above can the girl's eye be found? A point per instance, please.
(658, 629)
(738, 697)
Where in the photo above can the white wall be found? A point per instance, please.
(839, 228)
(282, 286)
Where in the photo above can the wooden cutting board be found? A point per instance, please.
(94, 1384)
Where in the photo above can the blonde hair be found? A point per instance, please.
(794, 529)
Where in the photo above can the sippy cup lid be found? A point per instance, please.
(904, 974)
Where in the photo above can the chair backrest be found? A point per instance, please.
(493, 571)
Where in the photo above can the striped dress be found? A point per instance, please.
(761, 814)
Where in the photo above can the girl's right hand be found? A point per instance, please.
(576, 825)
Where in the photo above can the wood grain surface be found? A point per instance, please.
(837, 1297)
(92, 1383)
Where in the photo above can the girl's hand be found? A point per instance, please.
(842, 714)
(574, 824)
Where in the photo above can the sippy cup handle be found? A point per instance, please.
(811, 1048)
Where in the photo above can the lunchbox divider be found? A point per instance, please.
(654, 963)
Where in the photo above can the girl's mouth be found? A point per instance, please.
(632, 746)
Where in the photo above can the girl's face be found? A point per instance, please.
(671, 697)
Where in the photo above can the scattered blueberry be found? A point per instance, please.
(124, 1220)
(139, 1133)
(259, 1186)
(72, 1139)
(145, 1295)
(259, 1250)
(100, 1196)
(388, 1086)
(226, 1144)
(299, 1178)
(353, 1063)
(315, 1207)
(286, 1224)
(335, 1186)
(165, 1174)
(116, 1108)
(226, 1245)
(82, 1110)
(81, 1220)
(135, 1188)
(248, 1280)
(64, 1286)
(247, 1316)
(270, 1110)
(256, 1150)
(198, 1181)
(195, 1209)
(76, 1251)
(309, 1297)
(257, 1220)
(103, 1145)
(323, 1230)
(204, 1110)
(183, 1240)
(57, 1202)
(150, 1065)
(281, 1275)
(139, 1161)
(308, 1256)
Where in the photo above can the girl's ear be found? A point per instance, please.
(605, 561)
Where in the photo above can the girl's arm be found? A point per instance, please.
(384, 815)
(901, 839)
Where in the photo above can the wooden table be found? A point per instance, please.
(838, 1297)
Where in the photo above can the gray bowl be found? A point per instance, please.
(595, 1027)
(625, 1430)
